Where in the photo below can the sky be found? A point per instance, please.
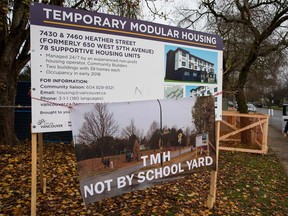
(175, 113)
(169, 8)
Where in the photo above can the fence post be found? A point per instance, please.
(213, 180)
(34, 174)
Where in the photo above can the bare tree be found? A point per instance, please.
(99, 123)
(254, 35)
(130, 130)
(252, 32)
(124, 8)
(14, 54)
(262, 31)
(15, 47)
(153, 127)
(262, 28)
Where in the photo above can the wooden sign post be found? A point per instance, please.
(34, 174)
(34, 156)
(213, 181)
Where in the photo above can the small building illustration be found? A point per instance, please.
(181, 65)
(205, 91)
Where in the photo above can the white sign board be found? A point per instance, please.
(202, 140)
(84, 57)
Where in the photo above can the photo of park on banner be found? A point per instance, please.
(127, 146)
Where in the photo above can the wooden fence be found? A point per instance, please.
(230, 132)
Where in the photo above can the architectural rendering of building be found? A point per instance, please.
(205, 91)
(181, 65)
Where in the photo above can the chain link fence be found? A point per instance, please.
(22, 122)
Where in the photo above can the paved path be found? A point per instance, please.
(279, 145)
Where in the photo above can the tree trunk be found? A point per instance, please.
(246, 137)
(244, 121)
(8, 84)
(14, 54)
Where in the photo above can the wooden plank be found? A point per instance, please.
(242, 129)
(262, 122)
(213, 179)
(259, 144)
(251, 115)
(212, 195)
(265, 138)
(229, 125)
(33, 174)
(241, 150)
(261, 128)
(211, 146)
(40, 141)
(217, 135)
(231, 140)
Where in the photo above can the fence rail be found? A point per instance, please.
(230, 132)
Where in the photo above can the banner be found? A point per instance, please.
(127, 146)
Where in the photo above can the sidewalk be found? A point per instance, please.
(279, 145)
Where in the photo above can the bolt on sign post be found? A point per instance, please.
(81, 57)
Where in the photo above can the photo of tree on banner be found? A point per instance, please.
(126, 146)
